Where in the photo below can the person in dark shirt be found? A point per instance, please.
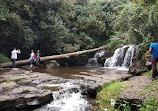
(153, 50)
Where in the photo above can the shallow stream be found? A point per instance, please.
(68, 90)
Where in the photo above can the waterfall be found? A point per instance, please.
(128, 57)
(122, 57)
(93, 62)
(68, 98)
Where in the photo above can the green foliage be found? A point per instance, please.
(150, 104)
(4, 59)
(125, 106)
(108, 95)
(137, 22)
(95, 18)
(148, 74)
(4, 13)
(113, 45)
(55, 27)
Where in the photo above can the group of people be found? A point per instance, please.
(33, 57)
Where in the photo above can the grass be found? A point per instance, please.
(107, 97)
(151, 102)
(148, 74)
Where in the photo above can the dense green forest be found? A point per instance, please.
(61, 26)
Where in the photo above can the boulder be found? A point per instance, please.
(24, 97)
(52, 64)
(137, 69)
(132, 94)
(101, 60)
(141, 62)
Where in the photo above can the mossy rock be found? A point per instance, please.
(52, 64)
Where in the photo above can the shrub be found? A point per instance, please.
(4, 59)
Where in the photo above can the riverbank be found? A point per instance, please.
(139, 93)
(23, 89)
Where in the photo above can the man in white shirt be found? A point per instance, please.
(14, 57)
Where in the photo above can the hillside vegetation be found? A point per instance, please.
(55, 26)
(61, 26)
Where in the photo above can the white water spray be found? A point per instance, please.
(122, 57)
(93, 62)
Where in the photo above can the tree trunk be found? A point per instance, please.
(46, 58)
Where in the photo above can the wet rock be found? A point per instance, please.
(148, 65)
(17, 90)
(138, 65)
(24, 97)
(142, 61)
(52, 64)
(136, 69)
(106, 55)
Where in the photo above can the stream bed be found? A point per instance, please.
(70, 91)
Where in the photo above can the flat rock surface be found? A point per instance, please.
(18, 90)
(105, 78)
(138, 84)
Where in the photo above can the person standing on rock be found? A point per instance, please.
(38, 54)
(32, 58)
(14, 57)
(153, 50)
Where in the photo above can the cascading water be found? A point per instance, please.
(93, 62)
(68, 98)
(122, 57)
(129, 55)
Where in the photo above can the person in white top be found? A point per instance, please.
(32, 58)
(14, 57)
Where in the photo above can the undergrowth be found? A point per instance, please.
(107, 97)
(4, 59)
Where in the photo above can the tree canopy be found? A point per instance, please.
(61, 26)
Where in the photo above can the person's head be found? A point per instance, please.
(38, 51)
(32, 51)
(155, 40)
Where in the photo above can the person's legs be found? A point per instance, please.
(38, 61)
(13, 63)
(156, 67)
(154, 70)
(30, 61)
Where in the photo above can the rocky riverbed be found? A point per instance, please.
(27, 90)
(21, 89)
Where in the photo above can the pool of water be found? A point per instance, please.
(69, 72)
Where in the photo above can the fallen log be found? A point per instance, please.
(46, 58)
